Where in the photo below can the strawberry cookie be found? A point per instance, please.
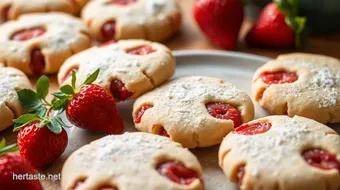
(194, 111)
(279, 152)
(300, 84)
(12, 9)
(11, 81)
(154, 20)
(39, 43)
(128, 68)
(132, 161)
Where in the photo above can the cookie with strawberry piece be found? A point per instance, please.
(154, 20)
(40, 43)
(11, 81)
(300, 84)
(128, 68)
(13, 9)
(279, 152)
(194, 111)
(131, 161)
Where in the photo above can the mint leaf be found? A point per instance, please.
(2, 143)
(29, 99)
(42, 87)
(9, 148)
(67, 89)
(90, 79)
(74, 79)
(26, 118)
(54, 126)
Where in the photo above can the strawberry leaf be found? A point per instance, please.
(23, 120)
(61, 95)
(2, 143)
(43, 123)
(59, 104)
(67, 89)
(92, 77)
(54, 126)
(61, 122)
(9, 148)
(40, 111)
(42, 87)
(74, 79)
(29, 99)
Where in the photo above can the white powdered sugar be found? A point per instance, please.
(155, 7)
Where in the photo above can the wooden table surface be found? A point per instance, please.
(190, 37)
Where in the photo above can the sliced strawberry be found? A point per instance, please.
(177, 172)
(28, 34)
(119, 90)
(280, 77)
(321, 159)
(253, 128)
(141, 112)
(109, 30)
(142, 50)
(241, 171)
(37, 63)
(123, 2)
(224, 111)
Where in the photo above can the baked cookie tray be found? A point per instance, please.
(234, 67)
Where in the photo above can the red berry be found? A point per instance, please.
(13, 163)
(37, 63)
(141, 112)
(28, 34)
(253, 128)
(109, 30)
(241, 171)
(280, 77)
(40, 146)
(177, 172)
(220, 20)
(119, 91)
(93, 108)
(142, 50)
(271, 29)
(321, 159)
(123, 2)
(224, 111)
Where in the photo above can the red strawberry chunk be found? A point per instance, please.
(123, 2)
(177, 172)
(224, 111)
(28, 34)
(119, 90)
(141, 112)
(108, 30)
(69, 73)
(37, 63)
(253, 128)
(142, 50)
(321, 159)
(241, 171)
(280, 77)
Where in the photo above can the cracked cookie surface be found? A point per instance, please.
(39, 43)
(11, 81)
(131, 161)
(300, 84)
(154, 20)
(279, 152)
(194, 111)
(128, 68)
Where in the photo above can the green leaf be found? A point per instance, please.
(61, 122)
(29, 99)
(41, 112)
(92, 77)
(54, 126)
(67, 89)
(60, 95)
(42, 87)
(26, 118)
(43, 123)
(9, 148)
(74, 79)
(60, 104)
(2, 143)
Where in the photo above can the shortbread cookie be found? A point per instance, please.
(194, 111)
(154, 20)
(12, 9)
(279, 152)
(40, 43)
(132, 161)
(300, 84)
(11, 81)
(128, 68)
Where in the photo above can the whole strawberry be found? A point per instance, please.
(220, 20)
(91, 107)
(41, 137)
(12, 165)
(278, 26)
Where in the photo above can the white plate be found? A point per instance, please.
(233, 67)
